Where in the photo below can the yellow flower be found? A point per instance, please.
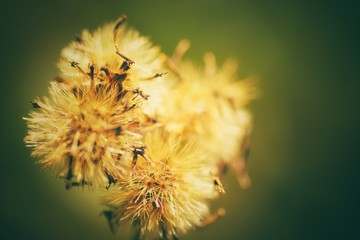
(209, 105)
(168, 191)
(115, 53)
(87, 133)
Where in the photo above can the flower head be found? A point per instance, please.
(167, 192)
(209, 105)
(86, 133)
(115, 53)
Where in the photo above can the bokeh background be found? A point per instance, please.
(305, 157)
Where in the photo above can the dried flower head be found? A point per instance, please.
(208, 105)
(115, 53)
(87, 133)
(168, 191)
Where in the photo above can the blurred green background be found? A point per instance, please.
(305, 162)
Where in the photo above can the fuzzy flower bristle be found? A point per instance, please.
(88, 133)
(167, 192)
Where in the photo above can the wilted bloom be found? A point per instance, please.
(115, 53)
(87, 133)
(208, 105)
(168, 191)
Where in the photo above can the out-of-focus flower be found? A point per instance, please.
(168, 191)
(209, 105)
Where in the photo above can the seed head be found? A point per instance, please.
(115, 53)
(168, 192)
(87, 133)
(209, 105)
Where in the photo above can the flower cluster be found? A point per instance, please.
(161, 130)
